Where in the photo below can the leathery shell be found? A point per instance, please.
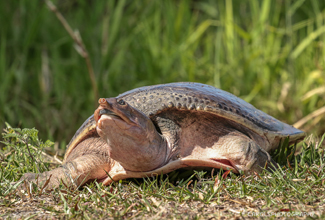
(197, 97)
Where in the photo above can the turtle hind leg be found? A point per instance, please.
(258, 159)
(247, 155)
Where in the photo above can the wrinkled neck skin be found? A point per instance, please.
(136, 148)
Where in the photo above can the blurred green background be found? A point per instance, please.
(271, 53)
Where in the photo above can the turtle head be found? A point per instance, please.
(131, 136)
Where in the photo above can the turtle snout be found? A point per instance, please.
(106, 102)
(102, 101)
(104, 105)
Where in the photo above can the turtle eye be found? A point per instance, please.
(121, 102)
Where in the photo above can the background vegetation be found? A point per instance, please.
(270, 53)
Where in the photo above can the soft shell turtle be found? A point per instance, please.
(157, 129)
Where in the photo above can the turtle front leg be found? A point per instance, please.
(54, 177)
(73, 173)
(88, 161)
(244, 154)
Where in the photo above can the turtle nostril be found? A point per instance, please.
(102, 101)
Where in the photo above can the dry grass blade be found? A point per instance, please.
(76, 208)
(312, 115)
(130, 207)
(313, 92)
(284, 92)
(216, 183)
(189, 183)
(45, 184)
(28, 189)
(225, 174)
(256, 174)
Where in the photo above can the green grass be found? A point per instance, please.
(295, 188)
